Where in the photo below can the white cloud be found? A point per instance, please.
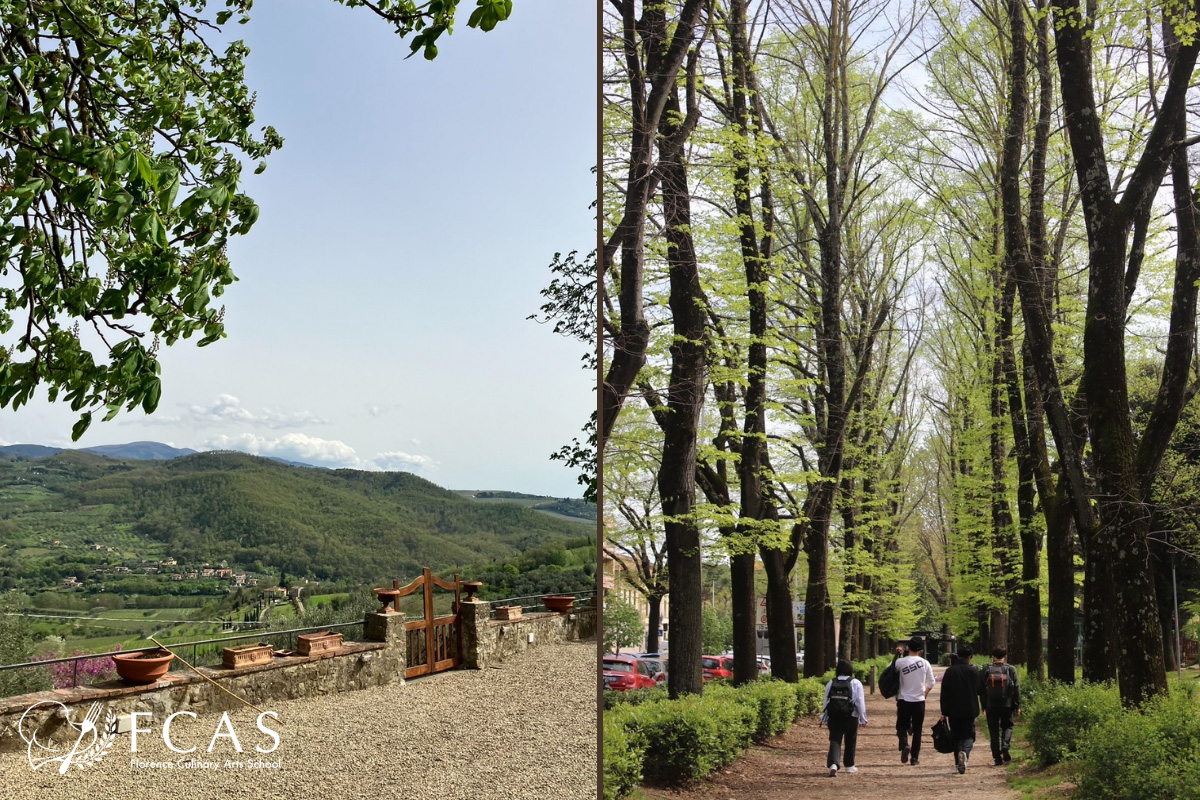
(227, 408)
(397, 461)
(293, 447)
(322, 453)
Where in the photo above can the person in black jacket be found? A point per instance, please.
(1001, 697)
(960, 705)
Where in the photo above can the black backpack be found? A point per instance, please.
(997, 684)
(889, 681)
(841, 700)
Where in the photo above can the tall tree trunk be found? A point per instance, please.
(685, 396)
(1124, 467)
(653, 621)
(753, 467)
(781, 635)
(663, 48)
(745, 617)
(1060, 566)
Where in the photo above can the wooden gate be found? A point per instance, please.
(434, 643)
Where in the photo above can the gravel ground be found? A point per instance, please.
(525, 730)
(792, 766)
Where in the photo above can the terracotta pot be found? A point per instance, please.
(310, 644)
(558, 603)
(143, 667)
(508, 612)
(388, 598)
(247, 656)
(471, 587)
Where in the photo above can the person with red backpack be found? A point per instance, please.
(1001, 699)
(844, 709)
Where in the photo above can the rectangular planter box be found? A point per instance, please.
(247, 656)
(310, 644)
(508, 613)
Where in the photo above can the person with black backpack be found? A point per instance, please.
(844, 710)
(960, 705)
(1001, 698)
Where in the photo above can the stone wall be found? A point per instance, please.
(487, 642)
(379, 660)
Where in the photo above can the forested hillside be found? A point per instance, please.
(251, 512)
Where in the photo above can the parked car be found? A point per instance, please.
(716, 667)
(623, 673)
(658, 667)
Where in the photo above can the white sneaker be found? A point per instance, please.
(833, 770)
(851, 770)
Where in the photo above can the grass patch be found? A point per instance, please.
(1032, 781)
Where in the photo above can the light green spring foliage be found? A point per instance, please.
(716, 631)
(622, 625)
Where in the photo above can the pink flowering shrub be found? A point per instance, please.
(89, 670)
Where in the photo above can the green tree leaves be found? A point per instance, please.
(429, 20)
(107, 112)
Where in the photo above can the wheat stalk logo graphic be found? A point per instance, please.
(89, 748)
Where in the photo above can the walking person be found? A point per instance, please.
(844, 710)
(916, 681)
(959, 698)
(1001, 697)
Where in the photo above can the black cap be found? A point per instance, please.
(916, 643)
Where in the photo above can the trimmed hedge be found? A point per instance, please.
(648, 737)
(1058, 716)
(634, 697)
(688, 738)
(774, 704)
(623, 754)
(810, 694)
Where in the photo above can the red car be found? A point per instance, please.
(623, 673)
(716, 667)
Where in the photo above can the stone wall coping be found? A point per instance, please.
(110, 690)
(496, 623)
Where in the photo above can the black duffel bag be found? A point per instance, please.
(943, 742)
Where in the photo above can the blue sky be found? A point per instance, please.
(380, 317)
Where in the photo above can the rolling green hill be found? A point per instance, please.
(561, 507)
(254, 513)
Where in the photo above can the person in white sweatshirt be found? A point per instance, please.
(916, 681)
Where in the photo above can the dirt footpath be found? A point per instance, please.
(793, 766)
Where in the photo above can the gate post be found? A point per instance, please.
(474, 616)
(389, 629)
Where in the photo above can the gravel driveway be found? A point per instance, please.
(524, 730)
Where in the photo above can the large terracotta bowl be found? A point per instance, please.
(558, 603)
(144, 667)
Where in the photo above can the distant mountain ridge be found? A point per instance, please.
(133, 451)
(256, 513)
(136, 451)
